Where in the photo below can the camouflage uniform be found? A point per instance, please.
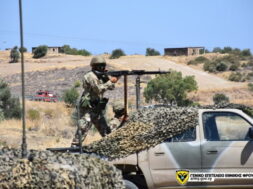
(118, 109)
(90, 108)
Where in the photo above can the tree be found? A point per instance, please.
(246, 52)
(170, 88)
(66, 49)
(22, 49)
(14, 55)
(10, 106)
(152, 52)
(40, 51)
(217, 50)
(220, 98)
(117, 53)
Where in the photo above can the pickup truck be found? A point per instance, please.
(222, 142)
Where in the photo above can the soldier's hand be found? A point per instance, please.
(114, 79)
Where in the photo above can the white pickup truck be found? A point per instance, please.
(221, 144)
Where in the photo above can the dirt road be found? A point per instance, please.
(205, 80)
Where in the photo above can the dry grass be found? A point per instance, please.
(53, 128)
(239, 95)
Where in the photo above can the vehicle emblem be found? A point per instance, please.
(182, 176)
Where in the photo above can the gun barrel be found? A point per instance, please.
(135, 72)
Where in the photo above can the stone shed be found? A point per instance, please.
(50, 50)
(186, 51)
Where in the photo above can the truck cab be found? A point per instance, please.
(222, 142)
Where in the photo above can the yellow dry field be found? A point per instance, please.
(53, 128)
(50, 127)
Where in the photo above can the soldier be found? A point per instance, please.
(119, 111)
(92, 103)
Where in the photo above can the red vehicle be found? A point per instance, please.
(46, 96)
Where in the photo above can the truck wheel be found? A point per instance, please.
(130, 185)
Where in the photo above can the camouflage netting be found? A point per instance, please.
(44, 169)
(145, 129)
(149, 127)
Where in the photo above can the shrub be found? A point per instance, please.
(221, 66)
(22, 49)
(226, 50)
(117, 53)
(77, 84)
(217, 50)
(9, 105)
(33, 114)
(220, 98)
(40, 51)
(66, 49)
(245, 52)
(234, 67)
(201, 59)
(237, 77)
(198, 60)
(210, 66)
(152, 52)
(170, 88)
(70, 96)
(250, 86)
(14, 55)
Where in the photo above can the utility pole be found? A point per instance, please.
(24, 145)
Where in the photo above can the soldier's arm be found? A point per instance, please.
(99, 87)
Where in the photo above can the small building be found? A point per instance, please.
(50, 50)
(186, 51)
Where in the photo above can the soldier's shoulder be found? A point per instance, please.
(90, 75)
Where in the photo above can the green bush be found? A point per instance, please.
(237, 77)
(250, 86)
(33, 114)
(70, 96)
(170, 88)
(227, 50)
(40, 51)
(77, 84)
(117, 53)
(210, 66)
(14, 55)
(217, 50)
(198, 60)
(221, 66)
(245, 52)
(201, 59)
(8, 104)
(22, 49)
(220, 98)
(66, 49)
(152, 52)
(234, 67)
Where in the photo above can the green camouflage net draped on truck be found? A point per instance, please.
(144, 129)
(44, 169)
(151, 126)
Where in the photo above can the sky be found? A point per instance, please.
(101, 26)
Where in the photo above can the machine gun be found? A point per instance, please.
(104, 76)
(125, 73)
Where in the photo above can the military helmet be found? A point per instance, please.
(97, 60)
(118, 107)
